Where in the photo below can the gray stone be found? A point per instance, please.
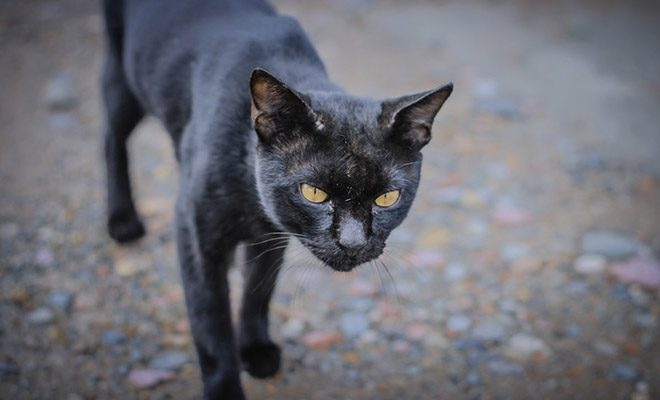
(644, 320)
(523, 347)
(61, 300)
(60, 93)
(502, 367)
(605, 348)
(353, 325)
(612, 245)
(455, 272)
(41, 316)
(169, 360)
(514, 252)
(8, 231)
(112, 337)
(489, 331)
(292, 329)
(588, 264)
(458, 323)
(9, 368)
(625, 372)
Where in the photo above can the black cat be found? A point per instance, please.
(260, 156)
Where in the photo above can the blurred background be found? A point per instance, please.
(528, 268)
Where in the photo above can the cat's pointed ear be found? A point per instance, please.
(276, 108)
(410, 117)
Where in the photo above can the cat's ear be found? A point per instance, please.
(410, 117)
(276, 108)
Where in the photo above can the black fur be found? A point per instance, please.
(246, 141)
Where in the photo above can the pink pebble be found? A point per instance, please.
(642, 271)
(146, 378)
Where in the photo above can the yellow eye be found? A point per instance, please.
(313, 194)
(387, 199)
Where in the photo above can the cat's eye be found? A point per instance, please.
(387, 199)
(313, 194)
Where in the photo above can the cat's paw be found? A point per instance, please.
(125, 227)
(261, 360)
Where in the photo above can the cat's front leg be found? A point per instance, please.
(260, 356)
(204, 262)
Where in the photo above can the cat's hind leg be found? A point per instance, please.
(259, 355)
(122, 114)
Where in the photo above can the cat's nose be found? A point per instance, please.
(351, 236)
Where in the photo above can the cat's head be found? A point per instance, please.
(339, 172)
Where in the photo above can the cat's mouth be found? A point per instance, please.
(342, 262)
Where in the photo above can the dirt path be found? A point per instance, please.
(528, 268)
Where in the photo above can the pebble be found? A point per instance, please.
(502, 367)
(644, 320)
(472, 379)
(59, 92)
(41, 316)
(458, 323)
(588, 264)
(292, 329)
(455, 272)
(61, 300)
(320, 340)
(44, 257)
(417, 331)
(642, 271)
(523, 347)
(8, 231)
(112, 337)
(514, 252)
(9, 368)
(146, 378)
(605, 348)
(573, 330)
(353, 325)
(169, 360)
(489, 331)
(507, 214)
(362, 288)
(625, 372)
(427, 258)
(609, 244)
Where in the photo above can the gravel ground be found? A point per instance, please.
(528, 268)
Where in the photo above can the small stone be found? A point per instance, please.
(322, 340)
(112, 337)
(458, 323)
(41, 316)
(74, 396)
(126, 268)
(427, 258)
(400, 346)
(362, 288)
(61, 300)
(644, 320)
(642, 271)
(292, 329)
(44, 257)
(514, 252)
(472, 379)
(417, 331)
(605, 348)
(523, 347)
(455, 272)
(507, 214)
(489, 331)
(625, 372)
(8, 232)
(9, 368)
(169, 360)
(573, 330)
(502, 367)
(59, 92)
(146, 378)
(588, 264)
(609, 244)
(353, 325)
